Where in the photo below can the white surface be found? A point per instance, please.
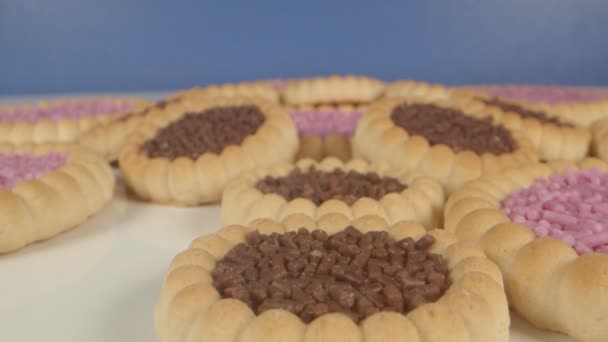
(99, 282)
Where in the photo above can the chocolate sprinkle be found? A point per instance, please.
(320, 186)
(451, 127)
(209, 131)
(311, 274)
(524, 112)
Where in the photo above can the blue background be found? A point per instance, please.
(115, 45)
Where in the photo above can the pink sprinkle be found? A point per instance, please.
(572, 207)
(71, 110)
(15, 168)
(544, 94)
(325, 122)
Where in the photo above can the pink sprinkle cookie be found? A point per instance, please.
(326, 122)
(60, 121)
(71, 110)
(15, 168)
(572, 207)
(544, 94)
(46, 189)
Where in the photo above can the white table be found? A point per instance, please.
(99, 282)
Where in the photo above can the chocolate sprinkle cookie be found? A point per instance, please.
(311, 273)
(320, 186)
(210, 131)
(452, 127)
(524, 112)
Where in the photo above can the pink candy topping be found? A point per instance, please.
(64, 110)
(572, 207)
(326, 122)
(15, 168)
(544, 94)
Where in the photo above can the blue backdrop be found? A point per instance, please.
(115, 45)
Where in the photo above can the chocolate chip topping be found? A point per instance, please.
(320, 186)
(452, 127)
(208, 131)
(311, 273)
(524, 112)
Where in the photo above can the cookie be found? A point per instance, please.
(60, 120)
(552, 135)
(46, 189)
(326, 111)
(600, 139)
(331, 280)
(187, 152)
(545, 225)
(107, 139)
(354, 189)
(453, 142)
(416, 89)
(581, 106)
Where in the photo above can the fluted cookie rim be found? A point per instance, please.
(422, 201)
(417, 89)
(41, 208)
(332, 89)
(546, 281)
(60, 131)
(377, 138)
(187, 182)
(582, 113)
(599, 131)
(549, 139)
(474, 308)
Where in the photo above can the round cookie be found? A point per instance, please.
(552, 135)
(46, 189)
(417, 90)
(354, 189)
(107, 138)
(186, 153)
(60, 120)
(599, 145)
(581, 106)
(244, 284)
(545, 227)
(453, 142)
(326, 110)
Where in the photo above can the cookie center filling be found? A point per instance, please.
(451, 127)
(311, 273)
(208, 131)
(572, 207)
(72, 110)
(543, 94)
(15, 168)
(320, 186)
(524, 112)
(324, 122)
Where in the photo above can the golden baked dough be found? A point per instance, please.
(473, 309)
(333, 89)
(583, 112)
(185, 181)
(600, 139)
(553, 142)
(58, 131)
(417, 90)
(546, 281)
(40, 208)
(107, 138)
(377, 139)
(422, 200)
(318, 148)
